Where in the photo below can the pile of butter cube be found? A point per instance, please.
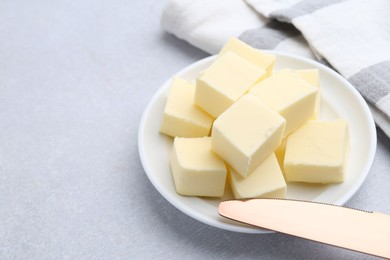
(256, 129)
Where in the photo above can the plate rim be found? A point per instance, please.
(226, 226)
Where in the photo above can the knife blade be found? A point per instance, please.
(358, 230)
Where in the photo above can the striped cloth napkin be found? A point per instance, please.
(352, 36)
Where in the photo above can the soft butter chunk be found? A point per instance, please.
(247, 133)
(312, 76)
(289, 95)
(317, 152)
(181, 117)
(266, 181)
(196, 169)
(263, 60)
(226, 80)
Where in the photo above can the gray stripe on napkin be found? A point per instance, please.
(373, 82)
(301, 8)
(326, 63)
(269, 35)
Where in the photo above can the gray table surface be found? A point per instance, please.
(75, 77)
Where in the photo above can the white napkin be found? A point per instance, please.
(352, 36)
(208, 24)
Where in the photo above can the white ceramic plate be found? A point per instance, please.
(339, 100)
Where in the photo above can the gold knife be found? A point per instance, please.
(359, 230)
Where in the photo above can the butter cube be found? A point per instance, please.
(317, 152)
(181, 117)
(196, 169)
(226, 80)
(266, 181)
(263, 60)
(312, 76)
(289, 95)
(247, 133)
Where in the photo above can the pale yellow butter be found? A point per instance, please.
(226, 80)
(263, 60)
(196, 169)
(247, 133)
(181, 117)
(289, 95)
(266, 181)
(317, 152)
(312, 76)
